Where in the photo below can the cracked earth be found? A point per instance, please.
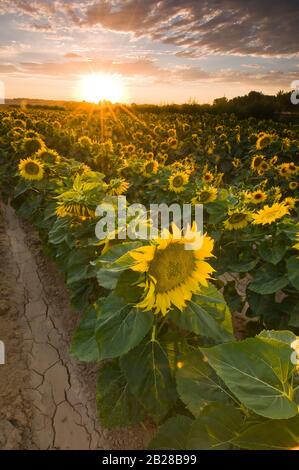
(47, 399)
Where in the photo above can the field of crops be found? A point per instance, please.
(200, 342)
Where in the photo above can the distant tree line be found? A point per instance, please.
(255, 104)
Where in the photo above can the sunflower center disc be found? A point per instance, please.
(32, 168)
(171, 267)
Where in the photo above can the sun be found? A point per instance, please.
(98, 87)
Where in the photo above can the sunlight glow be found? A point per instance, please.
(98, 87)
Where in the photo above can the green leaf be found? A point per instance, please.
(148, 374)
(293, 271)
(242, 266)
(294, 316)
(197, 383)
(271, 435)
(118, 250)
(116, 404)
(217, 211)
(173, 434)
(78, 273)
(284, 336)
(198, 320)
(258, 372)
(107, 278)
(120, 327)
(273, 250)
(84, 346)
(214, 303)
(59, 231)
(216, 427)
(127, 286)
(268, 281)
(259, 304)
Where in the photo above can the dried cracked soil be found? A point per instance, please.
(47, 399)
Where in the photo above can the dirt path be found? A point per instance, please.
(47, 399)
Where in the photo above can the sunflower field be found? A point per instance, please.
(200, 343)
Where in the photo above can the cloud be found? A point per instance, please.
(259, 27)
(8, 68)
(195, 27)
(72, 55)
(74, 68)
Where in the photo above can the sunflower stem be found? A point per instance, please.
(153, 338)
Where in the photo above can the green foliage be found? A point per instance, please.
(117, 405)
(184, 369)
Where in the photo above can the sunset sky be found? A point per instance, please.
(167, 51)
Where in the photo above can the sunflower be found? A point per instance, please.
(274, 160)
(269, 214)
(287, 169)
(292, 168)
(256, 162)
(172, 273)
(177, 181)
(290, 202)
(31, 145)
(117, 186)
(31, 169)
(296, 246)
(172, 142)
(207, 177)
(210, 148)
(263, 167)
(80, 211)
(263, 141)
(48, 156)
(257, 197)
(236, 162)
(205, 195)
(293, 185)
(237, 219)
(85, 141)
(150, 168)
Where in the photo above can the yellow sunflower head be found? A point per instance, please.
(237, 219)
(210, 148)
(207, 177)
(178, 181)
(236, 162)
(257, 197)
(48, 156)
(274, 160)
(290, 202)
(85, 142)
(172, 142)
(80, 211)
(284, 170)
(256, 162)
(292, 169)
(117, 186)
(293, 185)
(270, 214)
(31, 169)
(150, 168)
(205, 195)
(130, 148)
(263, 167)
(31, 145)
(172, 273)
(264, 140)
